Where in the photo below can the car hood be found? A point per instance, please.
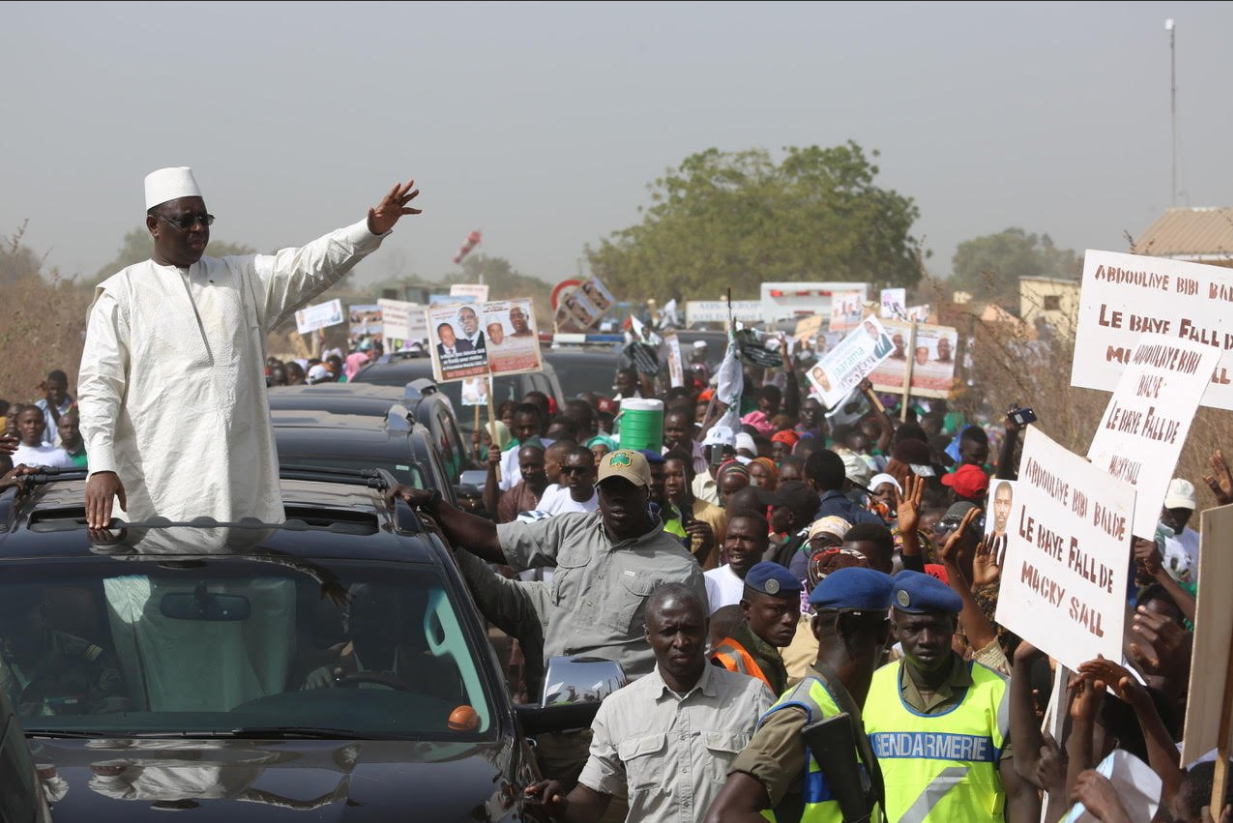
(239, 781)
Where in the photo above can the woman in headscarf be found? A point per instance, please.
(763, 473)
(600, 445)
(730, 479)
(782, 443)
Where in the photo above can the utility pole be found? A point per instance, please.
(1172, 30)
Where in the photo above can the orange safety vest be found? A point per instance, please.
(732, 656)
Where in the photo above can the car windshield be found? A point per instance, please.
(407, 474)
(268, 647)
(580, 374)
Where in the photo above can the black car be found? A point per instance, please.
(399, 369)
(584, 369)
(422, 399)
(396, 444)
(331, 664)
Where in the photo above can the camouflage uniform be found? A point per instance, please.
(69, 676)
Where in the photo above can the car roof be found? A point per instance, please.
(330, 515)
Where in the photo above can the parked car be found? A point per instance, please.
(584, 368)
(400, 368)
(332, 664)
(422, 399)
(395, 444)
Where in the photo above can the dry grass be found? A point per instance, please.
(43, 329)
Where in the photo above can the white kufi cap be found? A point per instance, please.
(170, 184)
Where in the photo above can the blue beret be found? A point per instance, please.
(853, 589)
(917, 593)
(653, 457)
(773, 579)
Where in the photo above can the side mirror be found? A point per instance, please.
(574, 687)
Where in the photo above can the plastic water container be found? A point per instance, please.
(641, 424)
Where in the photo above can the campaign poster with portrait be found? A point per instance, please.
(475, 391)
(595, 291)
(933, 356)
(997, 510)
(512, 341)
(365, 324)
(843, 367)
(576, 312)
(320, 316)
(456, 342)
(846, 310)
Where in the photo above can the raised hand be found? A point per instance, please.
(985, 568)
(1099, 797)
(383, 216)
(1147, 554)
(1220, 481)
(1119, 679)
(907, 504)
(1165, 649)
(1087, 696)
(950, 551)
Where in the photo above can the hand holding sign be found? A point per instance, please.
(985, 568)
(1120, 680)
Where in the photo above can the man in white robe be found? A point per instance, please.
(172, 387)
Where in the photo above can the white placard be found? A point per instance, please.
(403, 320)
(320, 316)
(475, 391)
(1146, 422)
(478, 291)
(894, 302)
(850, 362)
(676, 366)
(1213, 636)
(1125, 295)
(791, 300)
(1064, 575)
(716, 311)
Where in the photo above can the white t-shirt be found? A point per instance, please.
(723, 587)
(511, 471)
(557, 500)
(1181, 555)
(53, 456)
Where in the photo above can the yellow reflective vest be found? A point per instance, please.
(940, 768)
(820, 805)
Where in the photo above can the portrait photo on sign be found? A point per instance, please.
(475, 391)
(454, 354)
(997, 511)
(598, 294)
(513, 344)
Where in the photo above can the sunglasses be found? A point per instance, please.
(187, 221)
(573, 470)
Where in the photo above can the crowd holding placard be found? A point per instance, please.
(830, 608)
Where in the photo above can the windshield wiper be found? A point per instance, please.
(297, 732)
(70, 734)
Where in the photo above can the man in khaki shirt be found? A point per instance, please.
(667, 741)
(605, 564)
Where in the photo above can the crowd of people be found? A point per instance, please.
(804, 600)
(754, 582)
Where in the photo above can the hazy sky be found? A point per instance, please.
(543, 123)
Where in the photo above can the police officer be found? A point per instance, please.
(778, 770)
(771, 605)
(49, 672)
(940, 725)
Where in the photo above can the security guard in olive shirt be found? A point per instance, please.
(771, 604)
(778, 770)
(939, 724)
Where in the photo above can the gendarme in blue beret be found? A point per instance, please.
(917, 593)
(773, 579)
(853, 589)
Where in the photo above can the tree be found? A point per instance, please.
(18, 261)
(991, 266)
(726, 219)
(137, 245)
